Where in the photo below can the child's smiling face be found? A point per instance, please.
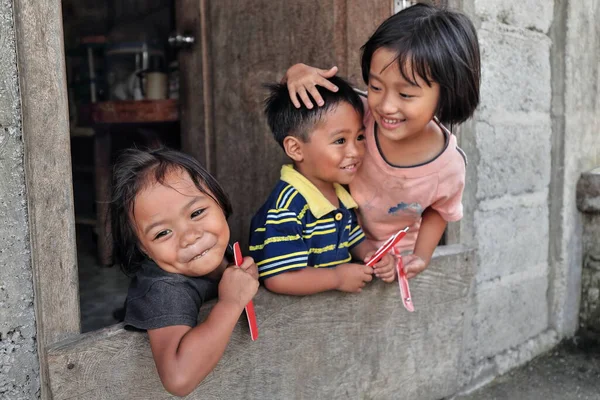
(401, 109)
(335, 148)
(182, 229)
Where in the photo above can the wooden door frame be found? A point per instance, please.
(49, 185)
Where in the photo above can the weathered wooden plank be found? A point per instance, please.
(361, 23)
(43, 89)
(195, 84)
(331, 345)
(252, 43)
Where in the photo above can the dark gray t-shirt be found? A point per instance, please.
(157, 298)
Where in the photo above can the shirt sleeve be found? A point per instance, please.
(448, 201)
(163, 304)
(356, 233)
(277, 245)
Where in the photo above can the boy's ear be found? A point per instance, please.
(293, 147)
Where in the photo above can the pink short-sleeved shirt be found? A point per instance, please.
(390, 198)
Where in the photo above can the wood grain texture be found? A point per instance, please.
(43, 90)
(195, 93)
(331, 345)
(361, 24)
(253, 43)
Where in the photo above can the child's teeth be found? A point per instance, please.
(200, 255)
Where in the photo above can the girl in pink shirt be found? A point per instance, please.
(422, 69)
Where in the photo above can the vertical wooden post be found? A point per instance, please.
(41, 59)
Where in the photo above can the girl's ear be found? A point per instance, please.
(293, 148)
(143, 250)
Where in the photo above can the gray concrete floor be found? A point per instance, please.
(102, 290)
(569, 371)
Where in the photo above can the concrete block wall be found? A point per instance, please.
(576, 112)
(19, 366)
(533, 135)
(512, 135)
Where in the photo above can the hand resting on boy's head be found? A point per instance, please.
(301, 78)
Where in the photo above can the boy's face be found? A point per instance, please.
(335, 148)
(183, 230)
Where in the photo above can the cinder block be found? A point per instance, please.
(9, 100)
(512, 238)
(19, 364)
(588, 192)
(514, 155)
(507, 313)
(534, 15)
(16, 288)
(515, 70)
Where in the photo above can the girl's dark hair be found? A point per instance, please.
(441, 46)
(136, 169)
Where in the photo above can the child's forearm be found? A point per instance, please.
(431, 231)
(302, 282)
(186, 362)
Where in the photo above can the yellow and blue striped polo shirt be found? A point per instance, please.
(298, 227)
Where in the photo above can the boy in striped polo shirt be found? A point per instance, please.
(306, 235)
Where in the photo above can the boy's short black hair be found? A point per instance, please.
(285, 119)
(133, 171)
(441, 46)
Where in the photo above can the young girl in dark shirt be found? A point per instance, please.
(169, 224)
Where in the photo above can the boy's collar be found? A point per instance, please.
(318, 204)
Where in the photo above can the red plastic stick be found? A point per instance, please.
(250, 314)
(403, 283)
(387, 246)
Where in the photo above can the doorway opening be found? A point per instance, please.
(123, 87)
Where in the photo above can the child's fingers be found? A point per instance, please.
(250, 267)
(412, 271)
(293, 95)
(368, 256)
(328, 73)
(304, 97)
(253, 272)
(386, 276)
(366, 269)
(384, 272)
(410, 275)
(368, 277)
(316, 95)
(326, 83)
(247, 260)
